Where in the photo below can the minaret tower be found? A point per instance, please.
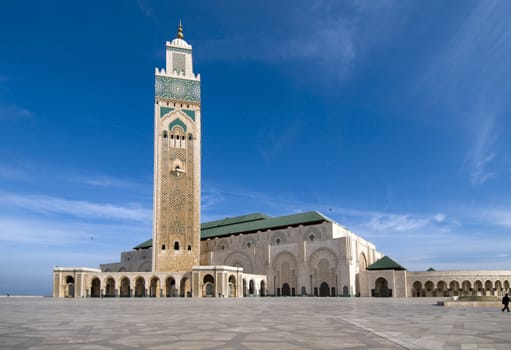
(177, 161)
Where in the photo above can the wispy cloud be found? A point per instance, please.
(9, 172)
(467, 84)
(28, 229)
(323, 37)
(145, 8)
(78, 208)
(103, 181)
(14, 112)
(275, 141)
(497, 216)
(481, 154)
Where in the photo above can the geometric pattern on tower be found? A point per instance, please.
(178, 89)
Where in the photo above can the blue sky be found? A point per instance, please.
(391, 117)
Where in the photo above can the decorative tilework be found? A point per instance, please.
(176, 88)
(177, 122)
(165, 110)
(189, 113)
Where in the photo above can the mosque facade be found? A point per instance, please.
(305, 254)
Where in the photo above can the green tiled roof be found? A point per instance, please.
(234, 220)
(145, 245)
(265, 224)
(385, 263)
(252, 223)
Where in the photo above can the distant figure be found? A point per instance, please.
(505, 301)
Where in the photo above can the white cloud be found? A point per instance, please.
(499, 217)
(103, 181)
(79, 208)
(439, 217)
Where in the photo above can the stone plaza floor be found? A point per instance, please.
(249, 323)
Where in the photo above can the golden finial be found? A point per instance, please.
(180, 34)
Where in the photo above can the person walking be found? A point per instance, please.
(505, 302)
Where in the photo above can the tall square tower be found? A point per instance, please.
(177, 161)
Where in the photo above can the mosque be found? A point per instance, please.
(305, 254)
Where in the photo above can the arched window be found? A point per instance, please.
(190, 137)
(165, 134)
(176, 245)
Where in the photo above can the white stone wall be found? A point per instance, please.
(303, 257)
(439, 283)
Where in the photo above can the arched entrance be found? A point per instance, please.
(110, 287)
(244, 287)
(155, 287)
(324, 290)
(231, 289)
(381, 288)
(170, 287)
(454, 286)
(362, 266)
(498, 288)
(441, 287)
(208, 289)
(125, 287)
(417, 289)
(140, 287)
(466, 288)
(185, 289)
(95, 289)
(251, 287)
(429, 286)
(488, 288)
(69, 289)
(262, 289)
(286, 291)
(478, 288)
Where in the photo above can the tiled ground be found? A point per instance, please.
(250, 323)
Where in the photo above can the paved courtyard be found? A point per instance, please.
(250, 323)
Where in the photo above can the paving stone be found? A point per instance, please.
(250, 323)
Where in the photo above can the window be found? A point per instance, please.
(249, 244)
(312, 237)
(277, 241)
(189, 247)
(176, 245)
(163, 247)
(165, 135)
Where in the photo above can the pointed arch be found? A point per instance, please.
(177, 122)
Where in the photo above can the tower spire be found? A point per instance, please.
(180, 34)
